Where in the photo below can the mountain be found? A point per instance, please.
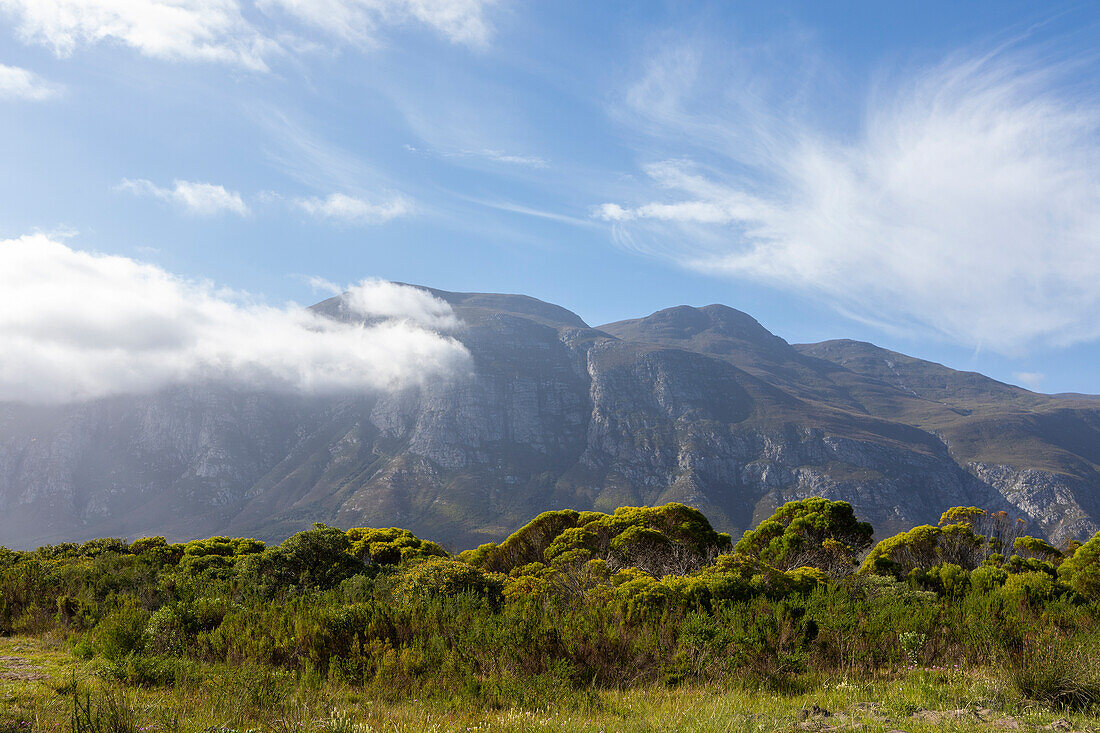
(698, 405)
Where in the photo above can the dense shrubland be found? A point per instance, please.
(576, 601)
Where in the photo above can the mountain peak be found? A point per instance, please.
(687, 323)
(475, 307)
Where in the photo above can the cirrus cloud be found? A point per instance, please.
(200, 199)
(352, 210)
(81, 325)
(360, 21)
(966, 204)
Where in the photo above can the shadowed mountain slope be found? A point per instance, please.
(698, 405)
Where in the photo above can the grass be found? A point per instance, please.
(221, 699)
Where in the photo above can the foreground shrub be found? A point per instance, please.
(122, 631)
(1082, 571)
(109, 711)
(1057, 671)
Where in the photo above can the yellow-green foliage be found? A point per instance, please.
(390, 546)
(1034, 587)
(811, 531)
(216, 554)
(1082, 571)
(925, 547)
(588, 607)
(731, 578)
(1038, 549)
(439, 576)
(961, 515)
(157, 551)
(954, 557)
(673, 537)
(223, 546)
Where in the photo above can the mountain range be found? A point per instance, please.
(698, 405)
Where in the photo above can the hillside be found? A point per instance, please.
(698, 405)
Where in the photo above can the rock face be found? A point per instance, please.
(699, 405)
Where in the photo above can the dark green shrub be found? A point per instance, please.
(316, 559)
(165, 633)
(121, 631)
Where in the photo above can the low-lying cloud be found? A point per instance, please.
(966, 204)
(81, 325)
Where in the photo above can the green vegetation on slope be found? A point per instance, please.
(578, 615)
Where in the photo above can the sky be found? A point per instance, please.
(179, 175)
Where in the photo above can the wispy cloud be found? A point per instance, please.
(132, 327)
(200, 199)
(361, 21)
(208, 199)
(193, 30)
(499, 156)
(967, 202)
(515, 208)
(1031, 380)
(17, 83)
(489, 154)
(221, 30)
(351, 210)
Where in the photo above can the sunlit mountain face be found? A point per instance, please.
(698, 405)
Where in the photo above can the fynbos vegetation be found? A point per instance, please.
(576, 602)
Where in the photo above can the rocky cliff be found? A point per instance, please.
(699, 405)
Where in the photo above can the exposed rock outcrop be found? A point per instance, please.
(702, 406)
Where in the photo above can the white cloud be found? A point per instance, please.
(17, 83)
(359, 21)
(381, 299)
(79, 325)
(341, 207)
(967, 204)
(197, 30)
(499, 156)
(1031, 380)
(490, 154)
(218, 30)
(200, 199)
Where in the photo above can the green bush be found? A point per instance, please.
(122, 631)
(1081, 571)
(649, 595)
(812, 532)
(165, 633)
(440, 576)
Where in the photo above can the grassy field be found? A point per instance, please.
(43, 687)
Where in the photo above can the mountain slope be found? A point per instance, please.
(700, 405)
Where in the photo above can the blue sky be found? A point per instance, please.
(925, 176)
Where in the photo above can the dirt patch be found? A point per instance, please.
(962, 715)
(17, 669)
